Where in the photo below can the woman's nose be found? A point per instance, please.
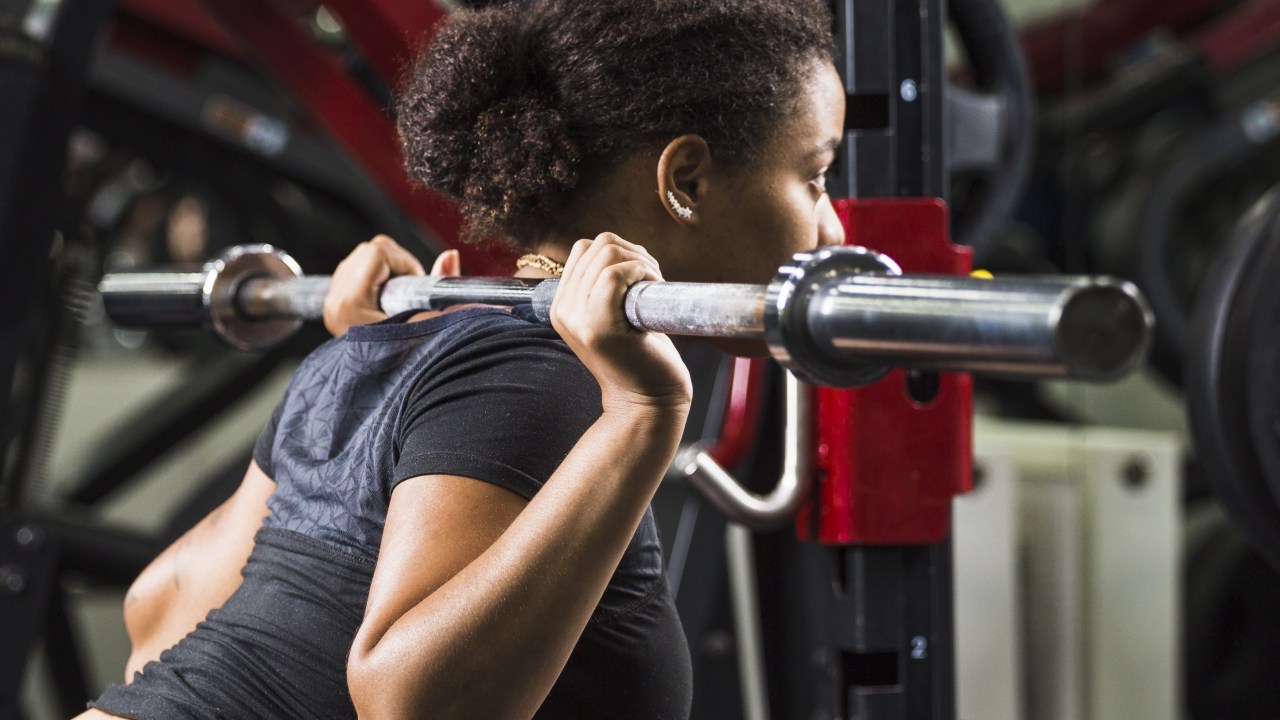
(830, 229)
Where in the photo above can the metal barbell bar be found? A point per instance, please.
(839, 316)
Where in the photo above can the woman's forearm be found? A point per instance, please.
(491, 641)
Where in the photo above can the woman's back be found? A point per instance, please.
(478, 393)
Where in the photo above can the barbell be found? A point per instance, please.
(838, 316)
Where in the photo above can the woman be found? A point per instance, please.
(456, 507)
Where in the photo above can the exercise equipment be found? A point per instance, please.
(1146, 167)
(992, 125)
(1233, 377)
(835, 316)
(976, 137)
(1231, 641)
(1225, 145)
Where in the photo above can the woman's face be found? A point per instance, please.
(779, 206)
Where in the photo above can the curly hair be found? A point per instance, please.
(513, 107)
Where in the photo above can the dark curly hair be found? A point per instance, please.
(512, 107)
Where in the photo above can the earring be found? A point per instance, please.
(681, 210)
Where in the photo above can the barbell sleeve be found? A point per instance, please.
(1081, 327)
(154, 299)
(837, 316)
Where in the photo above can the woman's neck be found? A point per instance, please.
(543, 261)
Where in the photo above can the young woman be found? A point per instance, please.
(448, 515)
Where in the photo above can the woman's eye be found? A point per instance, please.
(820, 181)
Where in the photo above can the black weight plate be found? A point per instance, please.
(999, 71)
(1217, 387)
(1264, 365)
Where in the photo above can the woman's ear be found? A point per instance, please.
(684, 170)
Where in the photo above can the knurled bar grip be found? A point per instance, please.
(676, 308)
(835, 316)
(665, 307)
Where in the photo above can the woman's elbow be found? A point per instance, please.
(373, 691)
(144, 607)
(381, 688)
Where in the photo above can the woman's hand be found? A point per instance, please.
(634, 369)
(357, 282)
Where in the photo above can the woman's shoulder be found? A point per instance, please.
(504, 337)
(471, 329)
(458, 323)
(476, 350)
(492, 353)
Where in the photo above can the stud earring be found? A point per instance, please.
(681, 210)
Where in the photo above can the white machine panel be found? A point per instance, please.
(1085, 523)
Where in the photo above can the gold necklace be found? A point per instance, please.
(541, 262)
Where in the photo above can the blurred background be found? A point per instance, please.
(1115, 559)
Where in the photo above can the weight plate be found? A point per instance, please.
(1263, 363)
(223, 277)
(786, 315)
(1217, 387)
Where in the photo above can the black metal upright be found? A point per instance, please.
(45, 48)
(873, 604)
(891, 61)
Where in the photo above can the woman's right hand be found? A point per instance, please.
(357, 281)
(634, 369)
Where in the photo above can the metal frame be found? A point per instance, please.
(44, 81)
(885, 630)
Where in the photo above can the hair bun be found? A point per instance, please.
(479, 121)
(515, 109)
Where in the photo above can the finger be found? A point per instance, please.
(567, 283)
(579, 258)
(608, 293)
(632, 247)
(579, 249)
(609, 238)
(399, 261)
(366, 267)
(611, 273)
(448, 264)
(604, 254)
(613, 254)
(588, 262)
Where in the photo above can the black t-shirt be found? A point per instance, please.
(480, 393)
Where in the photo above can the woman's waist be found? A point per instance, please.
(294, 580)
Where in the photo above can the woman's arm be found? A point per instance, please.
(195, 574)
(478, 599)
